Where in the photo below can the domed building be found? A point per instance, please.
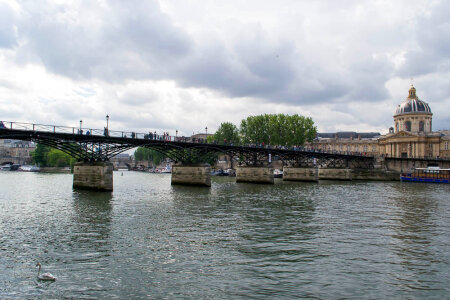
(411, 137)
(413, 115)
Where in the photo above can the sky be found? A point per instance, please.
(190, 64)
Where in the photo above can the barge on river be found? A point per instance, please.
(430, 174)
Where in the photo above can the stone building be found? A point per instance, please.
(347, 142)
(412, 135)
(15, 151)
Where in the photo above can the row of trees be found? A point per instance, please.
(270, 129)
(45, 156)
(142, 153)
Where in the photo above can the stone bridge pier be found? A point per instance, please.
(96, 176)
(300, 174)
(191, 174)
(255, 174)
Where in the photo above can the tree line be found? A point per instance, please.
(142, 154)
(46, 156)
(267, 129)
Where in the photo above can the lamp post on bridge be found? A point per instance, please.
(206, 136)
(176, 135)
(107, 125)
(81, 123)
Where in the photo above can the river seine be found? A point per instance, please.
(148, 239)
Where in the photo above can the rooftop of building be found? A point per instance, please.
(347, 135)
(412, 104)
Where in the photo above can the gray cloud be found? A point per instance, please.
(7, 29)
(132, 39)
(433, 41)
(138, 41)
(325, 52)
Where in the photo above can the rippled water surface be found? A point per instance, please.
(148, 239)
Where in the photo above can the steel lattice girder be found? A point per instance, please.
(102, 148)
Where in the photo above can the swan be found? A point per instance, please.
(45, 276)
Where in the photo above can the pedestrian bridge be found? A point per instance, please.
(89, 144)
(93, 148)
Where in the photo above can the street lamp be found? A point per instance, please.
(176, 134)
(107, 124)
(81, 122)
(206, 137)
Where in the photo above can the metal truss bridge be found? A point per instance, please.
(86, 144)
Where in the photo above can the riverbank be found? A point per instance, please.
(64, 170)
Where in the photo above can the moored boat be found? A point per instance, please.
(277, 173)
(430, 174)
(220, 172)
(5, 168)
(29, 168)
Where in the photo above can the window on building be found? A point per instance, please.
(421, 126)
(446, 146)
(408, 125)
(374, 148)
(365, 148)
(396, 127)
(348, 148)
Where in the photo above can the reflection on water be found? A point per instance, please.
(417, 211)
(91, 218)
(148, 239)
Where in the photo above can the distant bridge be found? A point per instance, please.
(97, 145)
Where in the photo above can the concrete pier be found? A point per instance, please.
(198, 174)
(300, 174)
(255, 174)
(335, 174)
(96, 176)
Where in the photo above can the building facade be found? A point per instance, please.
(410, 137)
(15, 151)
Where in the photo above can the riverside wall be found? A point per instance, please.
(316, 174)
(403, 165)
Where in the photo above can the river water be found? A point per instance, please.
(148, 239)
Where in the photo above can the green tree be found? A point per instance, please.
(226, 132)
(57, 158)
(277, 129)
(46, 156)
(39, 155)
(154, 156)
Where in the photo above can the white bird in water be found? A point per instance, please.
(45, 276)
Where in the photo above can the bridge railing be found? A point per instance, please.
(154, 136)
(83, 131)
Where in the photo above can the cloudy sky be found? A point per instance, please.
(187, 64)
